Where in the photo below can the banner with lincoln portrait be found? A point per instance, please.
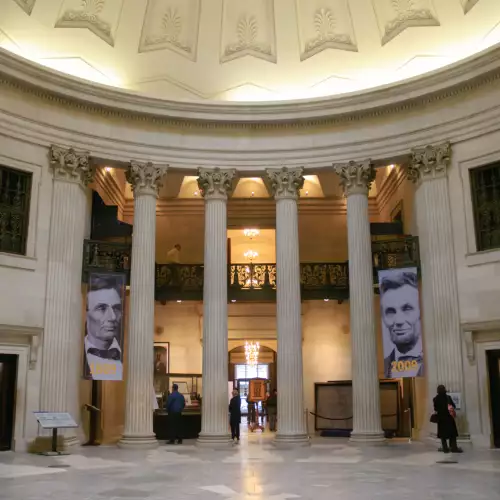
(103, 342)
(401, 325)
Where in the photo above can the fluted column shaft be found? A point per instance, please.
(285, 184)
(215, 184)
(62, 341)
(443, 340)
(138, 432)
(356, 179)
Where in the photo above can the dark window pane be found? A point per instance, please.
(485, 185)
(15, 190)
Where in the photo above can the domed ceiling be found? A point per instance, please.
(247, 50)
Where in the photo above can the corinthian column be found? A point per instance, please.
(285, 185)
(443, 345)
(215, 185)
(62, 340)
(356, 179)
(145, 179)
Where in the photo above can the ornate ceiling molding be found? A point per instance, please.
(26, 5)
(173, 25)
(49, 85)
(395, 16)
(101, 17)
(328, 26)
(468, 4)
(248, 30)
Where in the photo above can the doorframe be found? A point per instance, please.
(23, 355)
(484, 386)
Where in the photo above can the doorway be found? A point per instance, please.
(494, 375)
(8, 376)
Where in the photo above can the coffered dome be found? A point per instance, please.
(247, 50)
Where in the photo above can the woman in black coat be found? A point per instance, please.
(235, 415)
(447, 427)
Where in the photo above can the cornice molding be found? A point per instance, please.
(71, 92)
(262, 209)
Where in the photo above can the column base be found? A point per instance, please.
(148, 442)
(284, 441)
(368, 438)
(213, 441)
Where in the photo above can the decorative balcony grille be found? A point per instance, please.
(15, 192)
(251, 282)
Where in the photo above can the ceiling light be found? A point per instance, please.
(233, 300)
(253, 193)
(107, 169)
(196, 193)
(250, 255)
(252, 353)
(307, 193)
(179, 301)
(251, 233)
(326, 300)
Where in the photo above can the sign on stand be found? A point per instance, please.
(54, 421)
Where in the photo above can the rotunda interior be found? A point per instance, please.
(233, 195)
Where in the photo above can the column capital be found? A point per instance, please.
(429, 162)
(71, 166)
(145, 178)
(215, 183)
(284, 182)
(355, 177)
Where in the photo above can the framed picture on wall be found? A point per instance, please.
(161, 358)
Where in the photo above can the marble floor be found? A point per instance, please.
(253, 470)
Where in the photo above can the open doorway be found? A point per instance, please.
(8, 377)
(494, 375)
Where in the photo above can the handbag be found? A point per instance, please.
(452, 411)
(434, 418)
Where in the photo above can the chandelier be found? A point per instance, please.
(252, 353)
(251, 233)
(250, 255)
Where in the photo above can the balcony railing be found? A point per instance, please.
(251, 282)
(104, 256)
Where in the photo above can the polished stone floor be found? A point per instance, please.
(253, 470)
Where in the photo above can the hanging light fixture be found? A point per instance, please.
(250, 255)
(251, 233)
(252, 353)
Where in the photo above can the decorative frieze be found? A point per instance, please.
(285, 182)
(355, 177)
(216, 183)
(145, 178)
(71, 165)
(429, 162)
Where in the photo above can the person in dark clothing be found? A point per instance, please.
(235, 415)
(272, 410)
(175, 405)
(447, 427)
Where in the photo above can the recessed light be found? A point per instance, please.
(233, 300)
(253, 193)
(307, 193)
(196, 193)
(326, 300)
(107, 169)
(179, 301)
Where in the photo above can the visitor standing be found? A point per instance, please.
(175, 405)
(235, 415)
(444, 416)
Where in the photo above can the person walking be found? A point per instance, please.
(445, 414)
(272, 410)
(175, 405)
(235, 415)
